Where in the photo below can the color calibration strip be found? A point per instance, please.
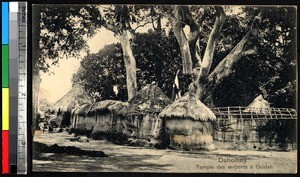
(14, 87)
(5, 89)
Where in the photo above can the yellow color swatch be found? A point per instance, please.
(5, 108)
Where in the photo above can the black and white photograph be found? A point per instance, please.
(164, 88)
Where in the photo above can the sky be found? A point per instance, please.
(59, 83)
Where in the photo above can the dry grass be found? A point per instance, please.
(83, 109)
(188, 107)
(149, 99)
(107, 106)
(192, 140)
(74, 98)
(102, 107)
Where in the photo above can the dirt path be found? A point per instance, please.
(139, 159)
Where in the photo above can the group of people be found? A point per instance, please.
(46, 123)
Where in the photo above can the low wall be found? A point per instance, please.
(184, 134)
(254, 133)
(147, 127)
(89, 122)
(150, 126)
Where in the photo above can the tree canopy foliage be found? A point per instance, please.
(254, 75)
(64, 31)
(158, 59)
(270, 71)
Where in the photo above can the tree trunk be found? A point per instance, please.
(194, 35)
(189, 49)
(201, 79)
(212, 42)
(208, 98)
(130, 63)
(123, 31)
(178, 26)
(158, 22)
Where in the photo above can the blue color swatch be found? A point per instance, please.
(5, 24)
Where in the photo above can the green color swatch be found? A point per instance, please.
(5, 62)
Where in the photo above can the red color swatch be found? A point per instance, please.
(5, 152)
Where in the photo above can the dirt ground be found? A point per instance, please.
(140, 159)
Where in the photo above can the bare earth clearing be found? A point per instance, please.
(140, 159)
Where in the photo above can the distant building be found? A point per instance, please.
(76, 97)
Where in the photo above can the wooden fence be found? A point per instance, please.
(242, 124)
(254, 113)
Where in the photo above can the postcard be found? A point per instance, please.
(164, 88)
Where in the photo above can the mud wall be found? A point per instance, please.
(102, 122)
(95, 122)
(150, 127)
(252, 133)
(146, 126)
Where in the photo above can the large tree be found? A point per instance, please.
(206, 79)
(157, 56)
(216, 44)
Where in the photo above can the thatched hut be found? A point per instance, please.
(107, 114)
(78, 116)
(259, 106)
(258, 109)
(74, 98)
(143, 112)
(188, 124)
(100, 116)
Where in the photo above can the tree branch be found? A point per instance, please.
(212, 42)
(142, 25)
(182, 16)
(245, 47)
(110, 27)
(194, 36)
(178, 22)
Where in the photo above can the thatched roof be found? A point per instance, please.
(74, 98)
(118, 107)
(107, 106)
(149, 99)
(83, 109)
(102, 107)
(259, 106)
(188, 107)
